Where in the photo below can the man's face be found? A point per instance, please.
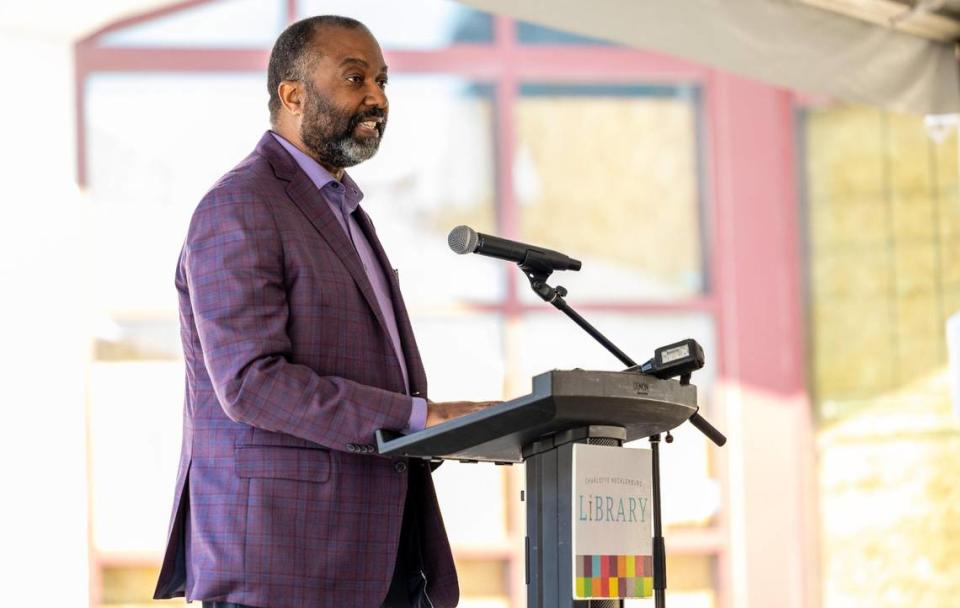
(345, 106)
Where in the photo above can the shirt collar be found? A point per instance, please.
(321, 178)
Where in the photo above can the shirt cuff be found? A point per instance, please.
(418, 416)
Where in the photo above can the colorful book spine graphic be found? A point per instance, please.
(614, 576)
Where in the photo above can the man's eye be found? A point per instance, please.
(382, 83)
(355, 79)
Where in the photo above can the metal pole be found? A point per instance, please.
(659, 549)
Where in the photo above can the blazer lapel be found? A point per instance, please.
(415, 371)
(311, 203)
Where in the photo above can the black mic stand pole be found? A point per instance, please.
(538, 272)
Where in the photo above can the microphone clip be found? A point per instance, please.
(538, 271)
(536, 262)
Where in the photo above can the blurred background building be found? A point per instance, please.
(811, 245)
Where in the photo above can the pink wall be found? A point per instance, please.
(771, 486)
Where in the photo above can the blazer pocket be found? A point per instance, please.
(279, 462)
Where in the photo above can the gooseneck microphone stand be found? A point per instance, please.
(538, 271)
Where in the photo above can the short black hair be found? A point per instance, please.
(288, 59)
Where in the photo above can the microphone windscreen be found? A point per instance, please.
(463, 239)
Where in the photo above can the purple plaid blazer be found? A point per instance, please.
(279, 500)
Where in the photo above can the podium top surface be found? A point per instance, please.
(561, 400)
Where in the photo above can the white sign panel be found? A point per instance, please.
(612, 507)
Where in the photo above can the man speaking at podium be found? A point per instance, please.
(298, 348)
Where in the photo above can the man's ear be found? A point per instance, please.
(291, 96)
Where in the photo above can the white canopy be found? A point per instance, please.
(791, 43)
(56, 19)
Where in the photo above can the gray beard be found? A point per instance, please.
(355, 151)
(346, 151)
(341, 149)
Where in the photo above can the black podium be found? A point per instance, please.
(564, 408)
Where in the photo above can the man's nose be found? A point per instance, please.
(376, 96)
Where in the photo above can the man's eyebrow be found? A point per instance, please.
(359, 62)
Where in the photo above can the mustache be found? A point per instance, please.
(371, 113)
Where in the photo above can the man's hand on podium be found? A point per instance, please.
(448, 410)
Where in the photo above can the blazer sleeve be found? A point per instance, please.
(234, 267)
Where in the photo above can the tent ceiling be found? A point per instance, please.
(69, 21)
(893, 53)
(932, 19)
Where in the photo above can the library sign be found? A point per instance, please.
(612, 513)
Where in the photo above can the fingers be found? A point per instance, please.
(438, 413)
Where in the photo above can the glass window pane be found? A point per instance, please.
(131, 585)
(433, 172)
(463, 356)
(473, 500)
(690, 490)
(485, 580)
(692, 582)
(531, 33)
(610, 175)
(135, 428)
(883, 252)
(252, 23)
(154, 172)
(137, 338)
(549, 340)
(148, 144)
(146, 176)
(412, 24)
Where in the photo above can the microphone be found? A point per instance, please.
(464, 239)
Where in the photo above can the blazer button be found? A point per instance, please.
(400, 466)
(351, 447)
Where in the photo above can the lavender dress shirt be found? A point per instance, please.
(344, 198)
